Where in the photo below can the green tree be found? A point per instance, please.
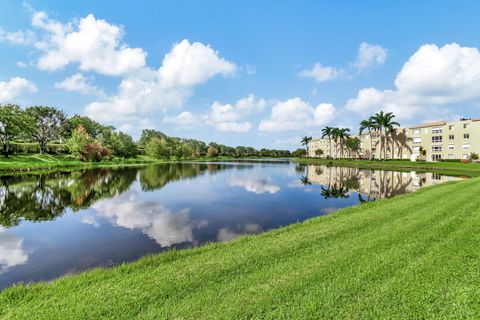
(339, 135)
(370, 126)
(305, 141)
(48, 122)
(212, 151)
(13, 124)
(328, 132)
(318, 152)
(78, 141)
(148, 134)
(156, 148)
(384, 123)
(119, 143)
(93, 128)
(352, 145)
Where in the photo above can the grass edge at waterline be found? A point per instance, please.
(412, 256)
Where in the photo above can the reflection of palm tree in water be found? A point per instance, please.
(334, 191)
(305, 181)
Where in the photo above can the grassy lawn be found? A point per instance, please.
(471, 169)
(413, 256)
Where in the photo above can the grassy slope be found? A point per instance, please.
(442, 167)
(413, 256)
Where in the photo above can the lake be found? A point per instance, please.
(62, 223)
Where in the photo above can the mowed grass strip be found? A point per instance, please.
(413, 256)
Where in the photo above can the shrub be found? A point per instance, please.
(78, 142)
(156, 148)
(94, 152)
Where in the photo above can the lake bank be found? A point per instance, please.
(410, 256)
(450, 168)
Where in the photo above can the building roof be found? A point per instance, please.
(429, 124)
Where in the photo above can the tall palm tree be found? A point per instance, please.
(370, 126)
(340, 134)
(327, 132)
(384, 121)
(305, 141)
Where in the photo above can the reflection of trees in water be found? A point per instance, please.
(334, 191)
(45, 197)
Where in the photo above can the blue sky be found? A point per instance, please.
(259, 73)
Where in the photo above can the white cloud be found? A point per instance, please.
(253, 184)
(228, 234)
(185, 118)
(11, 251)
(432, 79)
(296, 114)
(369, 55)
(189, 64)
(22, 64)
(81, 84)
(15, 87)
(289, 143)
(234, 126)
(94, 44)
(147, 90)
(17, 37)
(321, 73)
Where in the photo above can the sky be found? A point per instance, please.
(252, 73)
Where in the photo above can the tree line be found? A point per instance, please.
(44, 129)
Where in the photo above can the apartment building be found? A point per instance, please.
(446, 140)
(429, 141)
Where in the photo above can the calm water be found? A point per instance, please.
(56, 224)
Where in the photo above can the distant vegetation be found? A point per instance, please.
(41, 129)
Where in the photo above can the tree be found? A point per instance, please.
(212, 151)
(353, 145)
(47, 126)
(78, 141)
(370, 126)
(305, 141)
(148, 134)
(298, 153)
(327, 132)
(339, 135)
(157, 148)
(318, 152)
(93, 128)
(13, 124)
(383, 122)
(120, 144)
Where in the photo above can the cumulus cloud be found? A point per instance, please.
(81, 84)
(94, 44)
(15, 87)
(187, 65)
(432, 78)
(254, 184)
(234, 126)
(321, 73)
(156, 221)
(296, 114)
(370, 55)
(228, 234)
(11, 251)
(185, 119)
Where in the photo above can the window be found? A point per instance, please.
(466, 146)
(451, 147)
(465, 125)
(436, 130)
(451, 156)
(436, 139)
(451, 137)
(416, 149)
(465, 156)
(436, 148)
(417, 140)
(436, 157)
(416, 131)
(451, 127)
(466, 136)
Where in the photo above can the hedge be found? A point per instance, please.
(31, 147)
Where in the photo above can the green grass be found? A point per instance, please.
(413, 256)
(451, 168)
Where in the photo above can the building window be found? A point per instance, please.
(465, 125)
(451, 156)
(451, 127)
(436, 130)
(451, 137)
(436, 139)
(417, 140)
(436, 148)
(465, 156)
(436, 157)
(466, 146)
(416, 131)
(451, 147)
(466, 136)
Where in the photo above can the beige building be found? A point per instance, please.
(430, 141)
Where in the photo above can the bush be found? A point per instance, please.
(156, 148)
(94, 152)
(31, 147)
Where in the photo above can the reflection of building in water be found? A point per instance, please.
(375, 184)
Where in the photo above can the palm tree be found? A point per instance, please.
(370, 126)
(340, 134)
(327, 132)
(353, 146)
(383, 121)
(305, 141)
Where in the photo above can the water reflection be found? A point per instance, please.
(338, 182)
(55, 224)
